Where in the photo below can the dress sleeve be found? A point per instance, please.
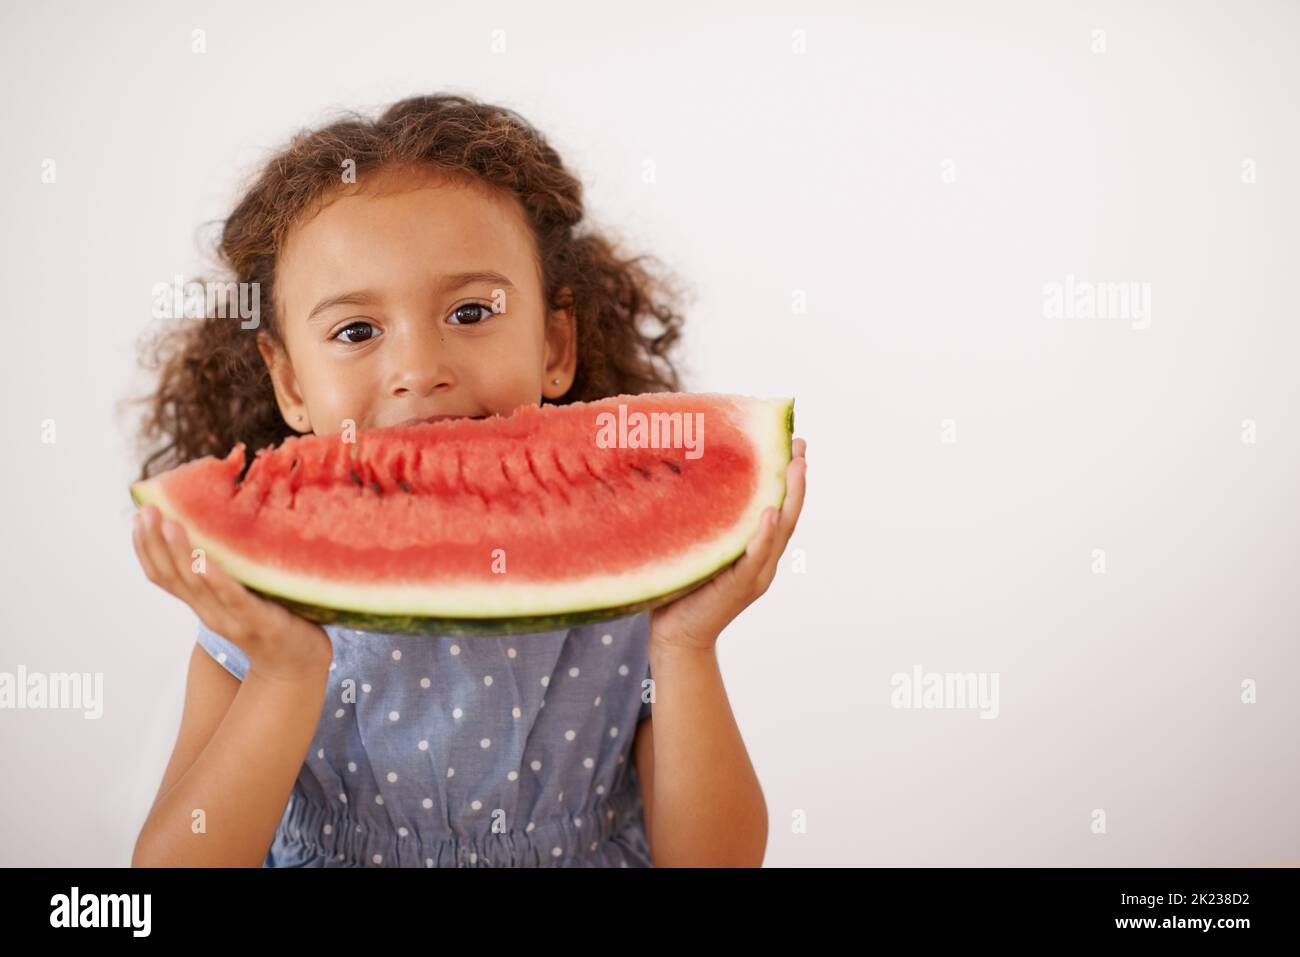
(224, 651)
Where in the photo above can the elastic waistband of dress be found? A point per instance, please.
(333, 830)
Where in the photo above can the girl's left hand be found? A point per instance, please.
(697, 618)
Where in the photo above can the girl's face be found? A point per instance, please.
(412, 295)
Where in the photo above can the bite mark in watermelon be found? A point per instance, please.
(408, 528)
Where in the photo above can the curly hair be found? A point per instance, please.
(213, 386)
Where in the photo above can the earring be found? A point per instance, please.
(556, 381)
(298, 417)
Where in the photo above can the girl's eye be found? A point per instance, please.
(354, 325)
(483, 309)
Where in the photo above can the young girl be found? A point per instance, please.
(428, 263)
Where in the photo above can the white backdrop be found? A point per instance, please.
(871, 206)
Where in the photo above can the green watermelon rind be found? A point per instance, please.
(471, 627)
(520, 624)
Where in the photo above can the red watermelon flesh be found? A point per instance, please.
(550, 516)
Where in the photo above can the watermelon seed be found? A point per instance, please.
(357, 478)
(645, 473)
(677, 470)
(378, 488)
(404, 486)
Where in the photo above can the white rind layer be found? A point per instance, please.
(768, 425)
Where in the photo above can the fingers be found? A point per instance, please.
(238, 613)
(154, 553)
(743, 570)
(237, 600)
(761, 541)
(178, 545)
(758, 564)
(209, 590)
(795, 484)
(164, 550)
(795, 476)
(221, 602)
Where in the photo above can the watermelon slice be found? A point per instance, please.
(545, 519)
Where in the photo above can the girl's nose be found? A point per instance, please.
(420, 365)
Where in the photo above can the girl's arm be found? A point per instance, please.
(240, 748)
(704, 806)
(241, 744)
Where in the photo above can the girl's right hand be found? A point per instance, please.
(278, 643)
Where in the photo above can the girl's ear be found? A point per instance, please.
(561, 347)
(287, 396)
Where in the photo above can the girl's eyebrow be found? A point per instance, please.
(449, 283)
(360, 297)
(459, 280)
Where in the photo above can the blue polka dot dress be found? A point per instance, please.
(470, 752)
